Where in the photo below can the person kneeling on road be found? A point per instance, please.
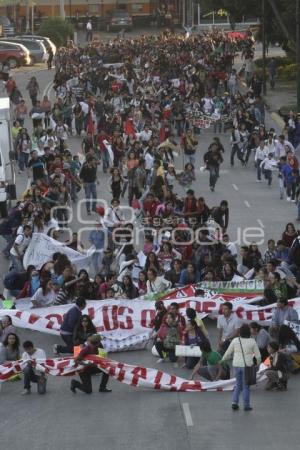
(92, 348)
(30, 373)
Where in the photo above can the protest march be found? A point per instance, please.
(110, 248)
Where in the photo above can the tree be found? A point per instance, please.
(57, 30)
(281, 17)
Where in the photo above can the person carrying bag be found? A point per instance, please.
(243, 349)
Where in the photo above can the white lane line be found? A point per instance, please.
(187, 415)
(235, 187)
(247, 204)
(46, 88)
(260, 223)
(49, 90)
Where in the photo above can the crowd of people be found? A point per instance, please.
(139, 106)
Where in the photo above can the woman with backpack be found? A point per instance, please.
(167, 338)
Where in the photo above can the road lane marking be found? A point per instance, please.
(187, 415)
(260, 223)
(46, 88)
(49, 90)
(235, 187)
(247, 204)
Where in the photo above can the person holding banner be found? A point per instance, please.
(71, 320)
(228, 325)
(168, 336)
(92, 348)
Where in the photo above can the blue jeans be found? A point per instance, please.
(258, 169)
(96, 260)
(240, 386)
(17, 263)
(105, 160)
(23, 160)
(268, 176)
(189, 159)
(90, 196)
(298, 209)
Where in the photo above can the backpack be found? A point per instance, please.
(172, 338)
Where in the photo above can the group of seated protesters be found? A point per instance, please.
(172, 328)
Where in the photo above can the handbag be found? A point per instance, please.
(250, 371)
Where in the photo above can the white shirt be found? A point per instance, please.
(261, 153)
(113, 217)
(84, 107)
(22, 243)
(280, 150)
(41, 299)
(269, 164)
(148, 161)
(232, 248)
(89, 26)
(160, 284)
(242, 348)
(145, 135)
(38, 355)
(228, 325)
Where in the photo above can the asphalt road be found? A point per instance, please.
(130, 418)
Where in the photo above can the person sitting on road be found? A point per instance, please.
(210, 366)
(167, 338)
(193, 336)
(32, 375)
(277, 373)
(10, 349)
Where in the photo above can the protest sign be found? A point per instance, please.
(42, 247)
(127, 324)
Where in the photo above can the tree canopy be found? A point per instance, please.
(280, 17)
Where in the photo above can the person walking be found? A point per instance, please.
(33, 89)
(89, 30)
(213, 160)
(88, 175)
(272, 72)
(236, 145)
(245, 352)
(260, 155)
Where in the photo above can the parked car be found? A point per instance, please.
(13, 54)
(36, 49)
(7, 26)
(46, 41)
(118, 20)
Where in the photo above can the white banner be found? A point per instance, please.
(135, 376)
(126, 324)
(42, 247)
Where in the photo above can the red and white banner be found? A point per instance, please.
(126, 324)
(136, 376)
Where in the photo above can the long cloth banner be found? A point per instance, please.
(137, 376)
(126, 324)
(42, 247)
